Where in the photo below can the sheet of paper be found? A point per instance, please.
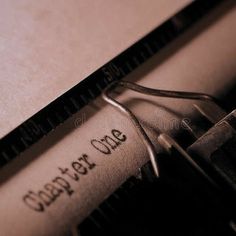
(74, 160)
(47, 47)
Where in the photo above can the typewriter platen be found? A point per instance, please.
(192, 190)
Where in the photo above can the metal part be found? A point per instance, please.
(146, 140)
(165, 140)
(50, 117)
(216, 150)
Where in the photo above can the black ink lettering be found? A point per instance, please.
(66, 171)
(116, 133)
(111, 142)
(100, 147)
(56, 192)
(33, 202)
(85, 159)
(64, 184)
(46, 198)
(78, 167)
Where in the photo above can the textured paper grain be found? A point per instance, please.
(47, 47)
(204, 64)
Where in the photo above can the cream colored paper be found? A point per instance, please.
(206, 63)
(47, 47)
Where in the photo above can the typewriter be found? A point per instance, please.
(118, 118)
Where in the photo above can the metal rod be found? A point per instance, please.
(146, 140)
(153, 92)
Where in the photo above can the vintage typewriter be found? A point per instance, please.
(117, 118)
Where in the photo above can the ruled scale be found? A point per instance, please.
(54, 114)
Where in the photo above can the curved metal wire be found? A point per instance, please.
(146, 140)
(153, 92)
(166, 93)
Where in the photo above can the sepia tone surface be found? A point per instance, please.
(47, 47)
(202, 60)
